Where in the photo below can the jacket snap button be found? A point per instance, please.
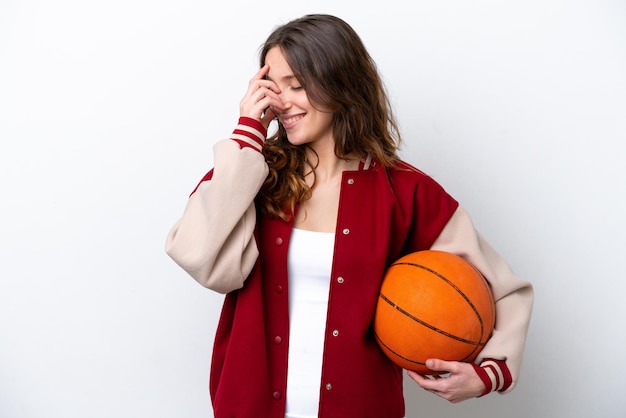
(346, 231)
(329, 386)
(278, 340)
(279, 241)
(277, 395)
(350, 181)
(339, 280)
(335, 333)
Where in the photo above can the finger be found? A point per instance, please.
(441, 366)
(269, 85)
(260, 75)
(256, 102)
(266, 98)
(423, 381)
(260, 81)
(262, 86)
(428, 384)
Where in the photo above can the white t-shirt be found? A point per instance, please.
(309, 262)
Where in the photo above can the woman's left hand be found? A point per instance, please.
(460, 383)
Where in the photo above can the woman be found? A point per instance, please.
(298, 229)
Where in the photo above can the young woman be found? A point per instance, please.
(297, 230)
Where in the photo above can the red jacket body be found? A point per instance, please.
(225, 244)
(383, 215)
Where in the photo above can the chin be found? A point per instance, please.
(296, 140)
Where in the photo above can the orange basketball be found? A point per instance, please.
(433, 304)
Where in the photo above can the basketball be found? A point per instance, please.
(433, 304)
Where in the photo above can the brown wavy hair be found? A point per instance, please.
(333, 66)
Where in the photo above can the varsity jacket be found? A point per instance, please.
(225, 244)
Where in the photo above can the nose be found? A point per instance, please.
(285, 98)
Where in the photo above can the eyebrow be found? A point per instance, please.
(285, 78)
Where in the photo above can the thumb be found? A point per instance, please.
(439, 366)
(267, 118)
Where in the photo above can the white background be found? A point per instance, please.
(108, 114)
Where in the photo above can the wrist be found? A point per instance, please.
(249, 133)
(494, 374)
(253, 123)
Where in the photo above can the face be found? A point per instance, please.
(303, 122)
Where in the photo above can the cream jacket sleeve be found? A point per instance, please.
(214, 241)
(513, 296)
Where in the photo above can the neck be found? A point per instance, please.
(328, 166)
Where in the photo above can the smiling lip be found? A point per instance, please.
(291, 120)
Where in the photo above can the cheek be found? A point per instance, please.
(325, 119)
(303, 102)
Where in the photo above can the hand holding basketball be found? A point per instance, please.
(461, 384)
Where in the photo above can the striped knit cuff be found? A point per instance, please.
(249, 133)
(494, 374)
